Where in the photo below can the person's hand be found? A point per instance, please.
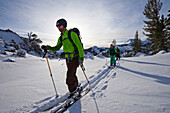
(45, 48)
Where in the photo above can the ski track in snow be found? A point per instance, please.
(98, 82)
(101, 81)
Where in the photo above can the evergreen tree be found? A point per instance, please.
(167, 32)
(163, 34)
(136, 44)
(155, 26)
(33, 43)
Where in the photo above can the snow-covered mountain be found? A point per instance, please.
(19, 46)
(9, 35)
(129, 42)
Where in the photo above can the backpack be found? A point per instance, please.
(112, 51)
(76, 30)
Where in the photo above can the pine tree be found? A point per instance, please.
(33, 43)
(155, 26)
(136, 44)
(163, 35)
(167, 32)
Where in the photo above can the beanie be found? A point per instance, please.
(62, 22)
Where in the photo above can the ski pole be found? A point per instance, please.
(51, 75)
(83, 69)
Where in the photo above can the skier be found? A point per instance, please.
(118, 54)
(113, 52)
(73, 58)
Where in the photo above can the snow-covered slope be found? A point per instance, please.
(136, 85)
(129, 42)
(8, 35)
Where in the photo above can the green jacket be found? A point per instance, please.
(67, 45)
(112, 49)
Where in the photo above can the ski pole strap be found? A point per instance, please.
(82, 67)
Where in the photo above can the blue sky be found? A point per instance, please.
(99, 21)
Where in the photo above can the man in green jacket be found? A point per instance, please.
(74, 55)
(113, 52)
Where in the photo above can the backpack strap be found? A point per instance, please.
(74, 45)
(61, 40)
(70, 39)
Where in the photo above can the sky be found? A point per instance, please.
(99, 21)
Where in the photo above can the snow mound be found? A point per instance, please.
(161, 52)
(8, 60)
(140, 54)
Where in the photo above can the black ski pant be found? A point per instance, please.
(71, 79)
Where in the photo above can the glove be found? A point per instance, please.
(45, 48)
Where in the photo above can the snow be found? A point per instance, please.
(140, 54)
(95, 49)
(137, 85)
(129, 42)
(8, 36)
(1, 46)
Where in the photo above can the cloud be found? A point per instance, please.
(101, 20)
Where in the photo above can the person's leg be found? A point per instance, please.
(116, 57)
(114, 60)
(111, 60)
(71, 79)
(119, 56)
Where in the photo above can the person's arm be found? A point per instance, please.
(115, 51)
(55, 48)
(108, 50)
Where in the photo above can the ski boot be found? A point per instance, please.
(74, 95)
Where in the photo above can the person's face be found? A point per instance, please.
(60, 27)
(111, 46)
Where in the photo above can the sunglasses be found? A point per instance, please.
(58, 24)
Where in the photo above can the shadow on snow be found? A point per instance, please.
(141, 62)
(159, 79)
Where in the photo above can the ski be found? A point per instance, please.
(111, 67)
(65, 106)
(61, 100)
